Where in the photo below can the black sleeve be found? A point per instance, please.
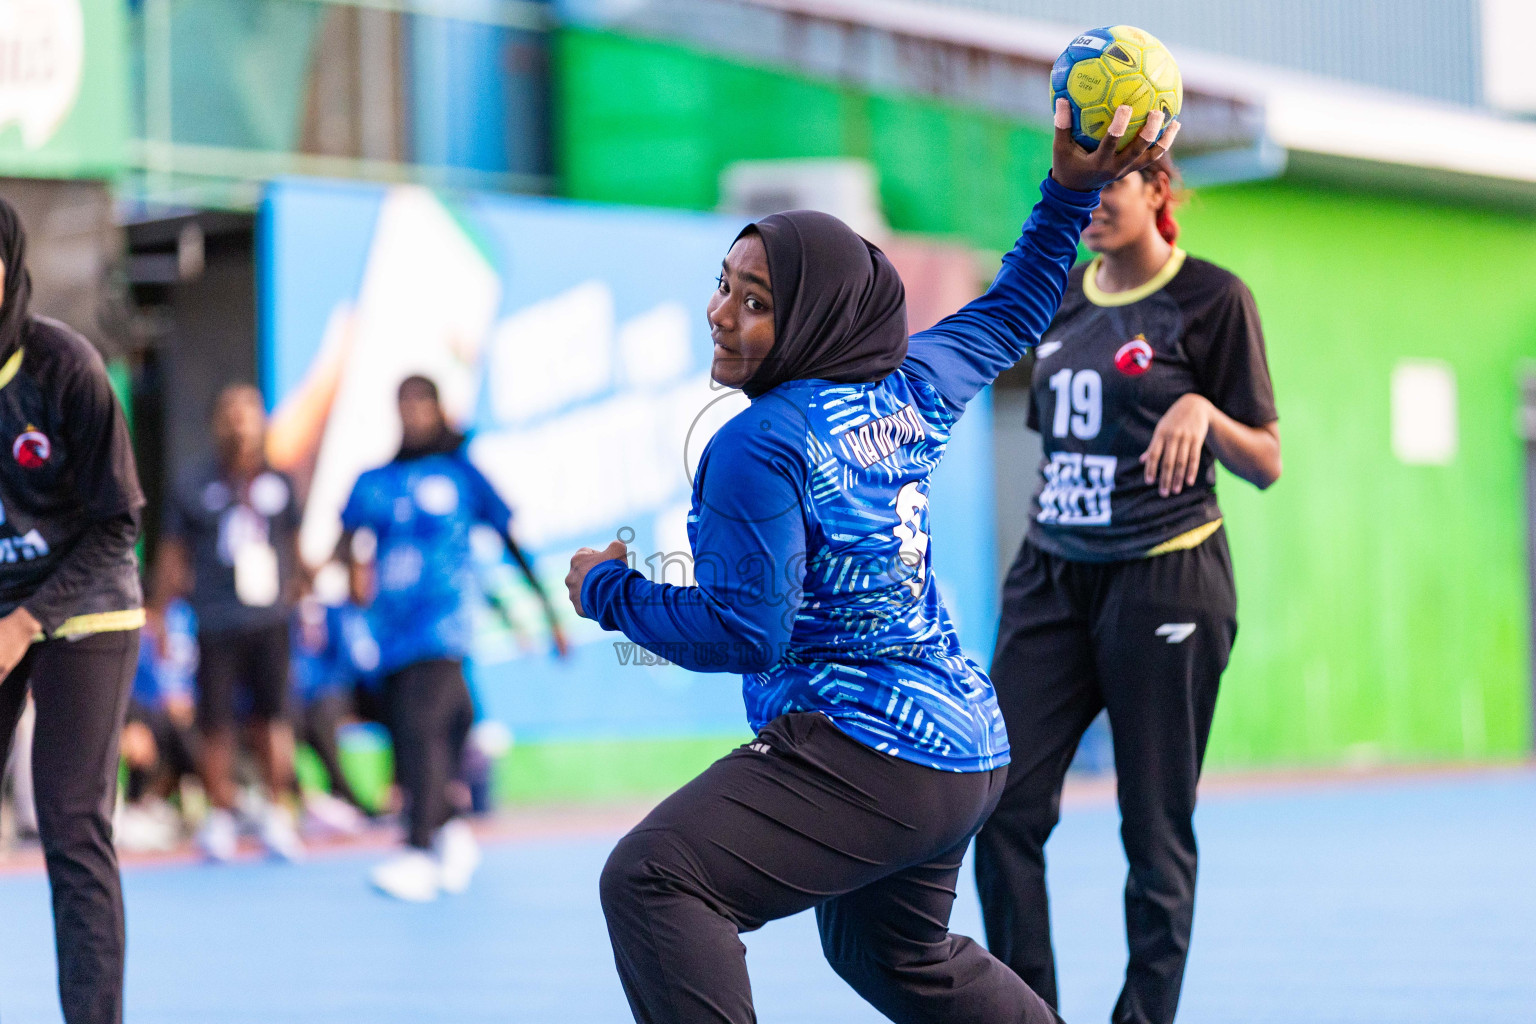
(1226, 347)
(98, 554)
(100, 450)
(173, 519)
(293, 512)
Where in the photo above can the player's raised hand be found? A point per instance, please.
(1076, 168)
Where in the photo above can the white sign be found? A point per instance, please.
(1507, 29)
(1424, 412)
(42, 55)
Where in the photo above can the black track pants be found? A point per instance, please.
(803, 817)
(1147, 639)
(429, 713)
(81, 691)
(320, 725)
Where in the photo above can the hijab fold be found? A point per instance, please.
(17, 299)
(839, 308)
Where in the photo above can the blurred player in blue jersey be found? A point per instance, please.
(880, 749)
(334, 652)
(406, 536)
(159, 743)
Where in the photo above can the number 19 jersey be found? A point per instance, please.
(1107, 369)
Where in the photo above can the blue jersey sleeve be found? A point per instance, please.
(749, 565)
(354, 514)
(488, 506)
(963, 353)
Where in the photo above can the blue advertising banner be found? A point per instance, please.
(570, 341)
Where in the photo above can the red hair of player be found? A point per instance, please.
(1167, 226)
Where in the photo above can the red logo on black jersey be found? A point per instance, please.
(32, 449)
(1134, 357)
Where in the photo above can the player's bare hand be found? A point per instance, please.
(1172, 460)
(557, 638)
(157, 631)
(17, 631)
(1075, 168)
(582, 563)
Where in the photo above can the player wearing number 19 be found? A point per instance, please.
(1122, 596)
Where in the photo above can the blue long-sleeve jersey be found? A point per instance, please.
(809, 530)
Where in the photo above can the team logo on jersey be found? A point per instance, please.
(1134, 357)
(32, 449)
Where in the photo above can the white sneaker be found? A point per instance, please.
(278, 834)
(412, 876)
(458, 855)
(326, 815)
(146, 828)
(218, 836)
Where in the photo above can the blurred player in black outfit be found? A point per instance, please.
(230, 547)
(70, 614)
(1122, 596)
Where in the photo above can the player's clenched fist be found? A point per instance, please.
(582, 563)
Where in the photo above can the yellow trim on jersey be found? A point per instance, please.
(97, 622)
(11, 368)
(1125, 298)
(1186, 540)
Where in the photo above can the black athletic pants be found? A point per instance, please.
(429, 713)
(1148, 640)
(801, 817)
(319, 723)
(81, 689)
(175, 748)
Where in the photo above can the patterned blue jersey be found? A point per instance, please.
(809, 530)
(871, 644)
(421, 511)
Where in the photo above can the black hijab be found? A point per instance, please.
(839, 308)
(14, 307)
(446, 441)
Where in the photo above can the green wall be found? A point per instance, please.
(1383, 606)
(651, 124)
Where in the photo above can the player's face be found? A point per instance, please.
(1127, 213)
(239, 422)
(421, 419)
(741, 313)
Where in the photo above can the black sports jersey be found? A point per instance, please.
(1106, 371)
(241, 544)
(66, 465)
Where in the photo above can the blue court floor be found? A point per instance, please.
(1405, 901)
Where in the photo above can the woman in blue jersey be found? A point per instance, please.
(879, 749)
(405, 537)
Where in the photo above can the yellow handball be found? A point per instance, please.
(1105, 68)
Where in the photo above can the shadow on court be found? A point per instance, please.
(1405, 900)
